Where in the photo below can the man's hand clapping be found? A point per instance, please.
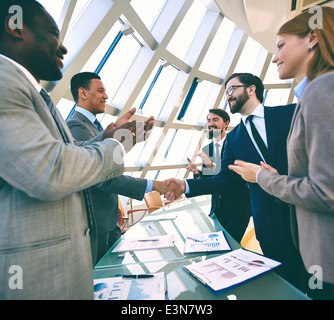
(129, 132)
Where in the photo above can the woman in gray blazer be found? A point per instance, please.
(306, 53)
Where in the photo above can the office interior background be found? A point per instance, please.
(169, 59)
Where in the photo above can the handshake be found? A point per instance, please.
(131, 132)
(170, 188)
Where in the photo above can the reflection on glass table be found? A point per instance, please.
(182, 286)
(182, 218)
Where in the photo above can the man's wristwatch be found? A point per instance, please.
(213, 165)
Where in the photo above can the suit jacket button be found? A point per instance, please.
(87, 232)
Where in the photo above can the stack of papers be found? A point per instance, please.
(160, 242)
(206, 242)
(159, 217)
(133, 287)
(231, 269)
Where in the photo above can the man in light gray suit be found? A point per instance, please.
(44, 230)
(90, 97)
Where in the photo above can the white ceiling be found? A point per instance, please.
(260, 19)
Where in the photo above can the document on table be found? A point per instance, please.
(160, 217)
(141, 287)
(159, 242)
(206, 242)
(231, 269)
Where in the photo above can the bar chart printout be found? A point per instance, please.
(137, 291)
(119, 288)
(231, 269)
(205, 242)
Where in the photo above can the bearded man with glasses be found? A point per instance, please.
(260, 136)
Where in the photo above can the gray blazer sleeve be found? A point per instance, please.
(126, 186)
(123, 185)
(310, 183)
(37, 161)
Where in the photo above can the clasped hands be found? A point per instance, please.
(170, 188)
(129, 132)
(248, 171)
(174, 188)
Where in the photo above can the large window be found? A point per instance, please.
(201, 98)
(214, 57)
(148, 16)
(248, 58)
(183, 37)
(96, 58)
(176, 75)
(276, 97)
(152, 97)
(54, 8)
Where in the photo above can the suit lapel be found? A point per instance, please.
(272, 127)
(87, 123)
(245, 144)
(294, 118)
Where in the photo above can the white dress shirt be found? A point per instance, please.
(91, 118)
(260, 125)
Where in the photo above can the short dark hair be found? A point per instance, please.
(30, 9)
(248, 80)
(222, 113)
(82, 80)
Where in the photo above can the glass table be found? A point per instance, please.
(182, 218)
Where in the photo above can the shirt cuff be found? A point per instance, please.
(257, 176)
(187, 190)
(149, 186)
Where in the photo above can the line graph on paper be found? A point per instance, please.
(205, 242)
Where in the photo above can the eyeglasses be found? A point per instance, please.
(230, 90)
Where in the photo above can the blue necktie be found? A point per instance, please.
(98, 125)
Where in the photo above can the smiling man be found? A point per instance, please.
(90, 97)
(46, 218)
(232, 208)
(244, 94)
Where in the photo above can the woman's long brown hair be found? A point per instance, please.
(323, 60)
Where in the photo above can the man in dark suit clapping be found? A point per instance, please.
(233, 207)
(244, 94)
